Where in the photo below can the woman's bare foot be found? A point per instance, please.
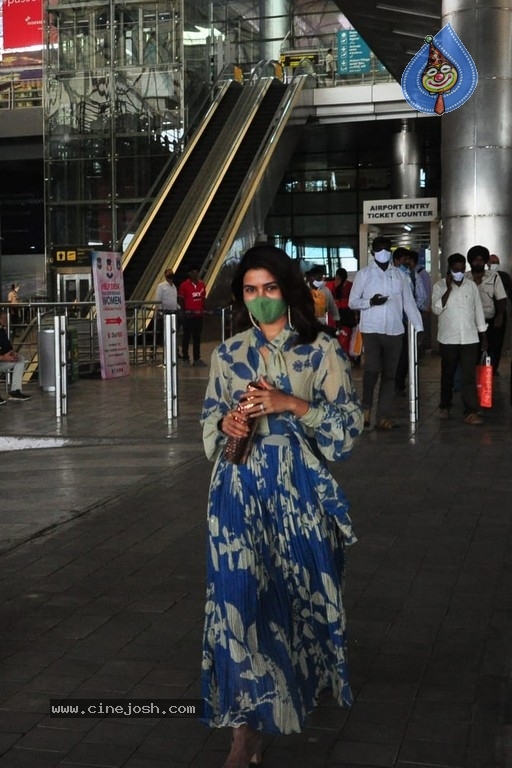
(245, 748)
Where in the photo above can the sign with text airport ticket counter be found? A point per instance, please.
(110, 314)
(401, 211)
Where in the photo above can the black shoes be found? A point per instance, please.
(17, 394)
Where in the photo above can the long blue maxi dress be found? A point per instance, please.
(274, 633)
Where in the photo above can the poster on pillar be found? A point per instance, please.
(442, 76)
(110, 314)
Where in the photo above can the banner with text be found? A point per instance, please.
(110, 314)
(23, 23)
(400, 211)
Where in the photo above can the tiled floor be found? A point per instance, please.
(102, 581)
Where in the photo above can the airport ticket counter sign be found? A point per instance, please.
(400, 211)
(393, 217)
(110, 314)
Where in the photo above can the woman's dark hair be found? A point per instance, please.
(291, 282)
(342, 273)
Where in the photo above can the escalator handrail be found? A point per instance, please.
(190, 214)
(200, 115)
(259, 71)
(164, 188)
(233, 218)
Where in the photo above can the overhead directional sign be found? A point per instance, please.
(354, 55)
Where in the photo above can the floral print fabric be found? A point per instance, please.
(275, 627)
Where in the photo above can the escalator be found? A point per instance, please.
(213, 219)
(156, 223)
(194, 232)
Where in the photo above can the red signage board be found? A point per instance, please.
(23, 23)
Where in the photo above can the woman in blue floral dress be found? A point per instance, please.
(275, 627)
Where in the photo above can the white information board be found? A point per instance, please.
(400, 211)
(110, 314)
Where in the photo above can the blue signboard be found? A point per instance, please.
(353, 53)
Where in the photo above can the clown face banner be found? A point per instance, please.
(442, 75)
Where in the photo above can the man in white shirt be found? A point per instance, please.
(382, 294)
(167, 294)
(330, 67)
(460, 333)
(422, 277)
(493, 297)
(403, 259)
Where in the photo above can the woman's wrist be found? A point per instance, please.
(299, 407)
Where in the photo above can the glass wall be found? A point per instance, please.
(319, 206)
(113, 113)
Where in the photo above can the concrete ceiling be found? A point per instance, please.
(395, 30)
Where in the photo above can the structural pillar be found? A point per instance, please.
(275, 26)
(405, 171)
(476, 146)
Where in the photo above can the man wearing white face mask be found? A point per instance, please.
(461, 329)
(323, 299)
(382, 294)
(494, 266)
(493, 297)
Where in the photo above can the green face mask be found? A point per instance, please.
(266, 310)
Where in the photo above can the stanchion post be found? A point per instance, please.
(174, 363)
(223, 324)
(156, 320)
(412, 340)
(171, 363)
(226, 322)
(61, 378)
(135, 335)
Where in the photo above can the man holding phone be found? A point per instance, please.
(382, 294)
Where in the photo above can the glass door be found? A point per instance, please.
(74, 287)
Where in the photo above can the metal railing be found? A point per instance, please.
(32, 317)
(57, 366)
(17, 93)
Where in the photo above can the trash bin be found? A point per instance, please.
(46, 363)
